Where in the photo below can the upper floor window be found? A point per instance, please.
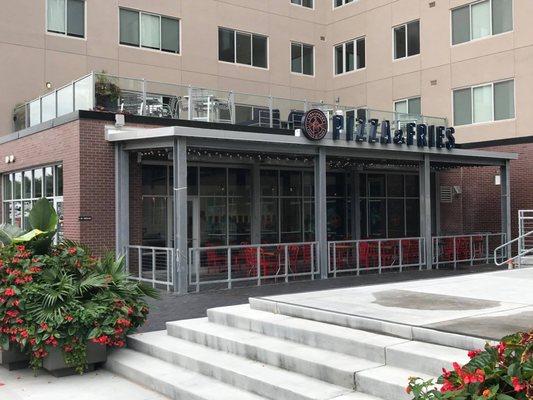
(478, 20)
(350, 56)
(242, 48)
(407, 40)
(338, 3)
(412, 106)
(302, 59)
(484, 103)
(66, 17)
(303, 3)
(150, 31)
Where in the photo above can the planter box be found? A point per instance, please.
(55, 364)
(13, 359)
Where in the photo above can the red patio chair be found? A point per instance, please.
(217, 262)
(388, 253)
(463, 248)
(293, 258)
(364, 255)
(410, 251)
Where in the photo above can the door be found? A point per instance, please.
(193, 226)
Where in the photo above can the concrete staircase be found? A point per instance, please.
(243, 353)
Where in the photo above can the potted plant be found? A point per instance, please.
(107, 93)
(62, 306)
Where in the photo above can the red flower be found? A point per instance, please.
(67, 348)
(24, 333)
(123, 322)
(104, 339)
(9, 292)
(51, 341)
(69, 318)
(501, 349)
(473, 353)
(12, 313)
(518, 387)
(72, 251)
(43, 326)
(21, 248)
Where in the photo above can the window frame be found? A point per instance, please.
(235, 31)
(140, 46)
(405, 25)
(344, 3)
(301, 4)
(301, 44)
(492, 34)
(493, 110)
(65, 34)
(343, 44)
(406, 100)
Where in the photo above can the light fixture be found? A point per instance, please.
(11, 158)
(48, 85)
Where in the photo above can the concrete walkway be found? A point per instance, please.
(487, 306)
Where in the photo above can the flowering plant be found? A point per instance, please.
(501, 372)
(65, 299)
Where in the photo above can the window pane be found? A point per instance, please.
(412, 214)
(212, 181)
(376, 185)
(461, 25)
(395, 185)
(338, 3)
(349, 57)
(336, 218)
(399, 42)
(376, 218)
(170, 35)
(361, 53)
(395, 214)
(269, 220)
(502, 16)
(309, 184)
(76, 18)
(299, 2)
(482, 104)
(308, 60)
(260, 51)
(291, 220)
(339, 67)
(213, 221)
(296, 57)
(38, 183)
(150, 31)
(59, 180)
(401, 107)
(480, 20)
(269, 183)
(412, 188)
(307, 3)
(48, 106)
(413, 38)
(226, 45)
(56, 16)
(504, 100)
(17, 185)
(129, 27)
(291, 183)
(335, 184)
(65, 100)
(48, 182)
(239, 182)
(244, 48)
(154, 180)
(8, 186)
(26, 185)
(462, 106)
(414, 106)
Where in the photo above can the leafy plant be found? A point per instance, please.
(501, 372)
(105, 87)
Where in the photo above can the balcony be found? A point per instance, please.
(107, 93)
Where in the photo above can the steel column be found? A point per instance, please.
(321, 228)
(122, 199)
(356, 207)
(425, 208)
(506, 204)
(179, 156)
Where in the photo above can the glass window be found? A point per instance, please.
(296, 58)
(302, 59)
(48, 182)
(482, 104)
(395, 218)
(401, 107)
(414, 106)
(129, 27)
(336, 219)
(212, 181)
(412, 188)
(291, 183)
(349, 57)
(65, 100)
(154, 180)
(26, 184)
(504, 100)
(376, 185)
(226, 45)
(376, 218)
(17, 185)
(502, 16)
(309, 184)
(192, 181)
(480, 19)
(395, 185)
(213, 219)
(291, 220)
(338, 3)
(269, 183)
(170, 35)
(150, 31)
(38, 183)
(462, 106)
(303, 3)
(259, 51)
(76, 18)
(412, 218)
(66, 17)
(413, 38)
(269, 221)
(59, 180)
(400, 45)
(239, 182)
(244, 48)
(361, 53)
(8, 186)
(461, 25)
(56, 16)
(336, 184)
(339, 69)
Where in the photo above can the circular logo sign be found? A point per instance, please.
(315, 124)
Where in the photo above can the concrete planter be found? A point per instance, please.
(55, 364)
(13, 359)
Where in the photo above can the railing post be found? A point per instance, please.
(357, 262)
(258, 264)
(271, 111)
(286, 263)
(228, 261)
(333, 245)
(232, 107)
(153, 268)
(93, 90)
(144, 106)
(313, 266)
(197, 269)
(400, 255)
(139, 255)
(454, 253)
(487, 248)
(189, 108)
(471, 250)
(379, 256)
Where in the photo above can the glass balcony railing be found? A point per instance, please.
(107, 93)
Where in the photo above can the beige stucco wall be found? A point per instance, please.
(29, 57)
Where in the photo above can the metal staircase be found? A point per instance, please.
(524, 244)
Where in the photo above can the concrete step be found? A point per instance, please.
(255, 377)
(326, 365)
(356, 343)
(386, 382)
(170, 380)
(425, 358)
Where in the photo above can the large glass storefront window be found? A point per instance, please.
(338, 193)
(389, 205)
(22, 189)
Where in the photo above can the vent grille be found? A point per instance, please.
(446, 194)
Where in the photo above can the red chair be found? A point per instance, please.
(364, 255)
(216, 262)
(342, 255)
(410, 252)
(307, 254)
(293, 258)
(388, 253)
(447, 253)
(463, 248)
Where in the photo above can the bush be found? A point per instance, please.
(501, 372)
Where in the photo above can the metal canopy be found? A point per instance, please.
(142, 138)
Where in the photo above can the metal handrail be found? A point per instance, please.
(509, 243)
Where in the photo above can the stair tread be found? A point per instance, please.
(310, 325)
(393, 375)
(255, 371)
(200, 385)
(328, 358)
(444, 353)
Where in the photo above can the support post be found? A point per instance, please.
(321, 228)
(256, 203)
(506, 205)
(425, 209)
(179, 156)
(122, 200)
(356, 207)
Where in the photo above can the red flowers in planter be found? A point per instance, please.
(9, 292)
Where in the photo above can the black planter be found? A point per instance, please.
(13, 359)
(55, 363)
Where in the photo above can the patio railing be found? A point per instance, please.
(461, 249)
(226, 266)
(153, 265)
(376, 255)
(103, 92)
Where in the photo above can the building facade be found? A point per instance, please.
(469, 62)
